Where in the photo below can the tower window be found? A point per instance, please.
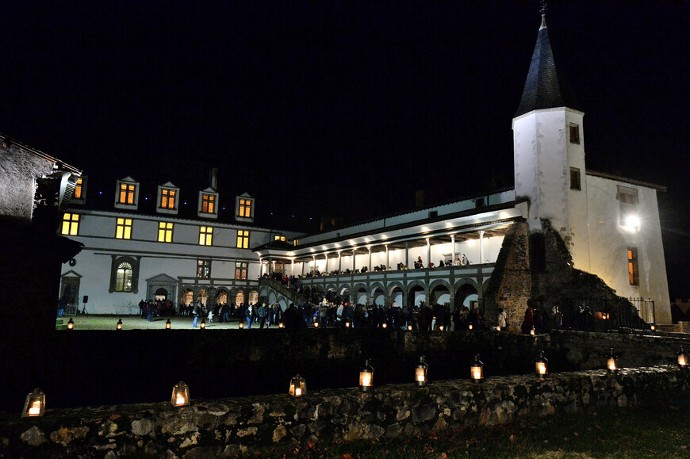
(279, 237)
(575, 178)
(245, 208)
(208, 203)
(574, 134)
(167, 198)
(126, 195)
(633, 268)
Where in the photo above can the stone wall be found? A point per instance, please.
(231, 427)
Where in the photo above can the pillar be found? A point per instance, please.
(340, 263)
(428, 252)
(369, 267)
(481, 247)
(388, 262)
(452, 244)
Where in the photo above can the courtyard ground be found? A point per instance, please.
(108, 322)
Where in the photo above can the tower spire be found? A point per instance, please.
(542, 8)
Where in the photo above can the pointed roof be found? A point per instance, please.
(543, 87)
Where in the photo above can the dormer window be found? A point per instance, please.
(79, 194)
(127, 193)
(244, 208)
(208, 203)
(279, 237)
(168, 198)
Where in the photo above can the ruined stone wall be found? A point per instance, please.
(511, 282)
(256, 425)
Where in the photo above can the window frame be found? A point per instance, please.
(243, 239)
(574, 133)
(70, 224)
(118, 261)
(206, 235)
(575, 179)
(125, 226)
(633, 266)
(203, 268)
(165, 231)
(241, 270)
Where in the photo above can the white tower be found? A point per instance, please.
(549, 153)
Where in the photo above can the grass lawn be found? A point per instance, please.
(630, 433)
(108, 322)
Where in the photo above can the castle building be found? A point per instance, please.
(443, 254)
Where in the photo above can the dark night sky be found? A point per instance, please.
(344, 108)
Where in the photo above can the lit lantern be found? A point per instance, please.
(611, 362)
(420, 373)
(119, 325)
(497, 328)
(168, 324)
(180, 394)
(469, 327)
(652, 327)
(440, 328)
(409, 328)
(682, 359)
(316, 325)
(533, 332)
(298, 386)
(347, 324)
(280, 325)
(241, 326)
(541, 366)
(366, 376)
(202, 325)
(384, 325)
(477, 370)
(70, 324)
(35, 404)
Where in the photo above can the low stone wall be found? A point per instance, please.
(231, 427)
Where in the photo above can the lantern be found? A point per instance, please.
(541, 366)
(440, 328)
(298, 386)
(497, 328)
(384, 325)
(180, 394)
(241, 325)
(347, 324)
(652, 327)
(611, 362)
(469, 327)
(409, 328)
(70, 324)
(280, 325)
(682, 359)
(366, 376)
(532, 331)
(119, 325)
(168, 324)
(35, 404)
(202, 325)
(316, 325)
(420, 373)
(477, 370)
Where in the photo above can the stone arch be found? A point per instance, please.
(222, 295)
(396, 293)
(416, 294)
(240, 297)
(375, 285)
(440, 292)
(361, 295)
(187, 296)
(378, 296)
(253, 297)
(466, 295)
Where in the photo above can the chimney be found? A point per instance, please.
(213, 178)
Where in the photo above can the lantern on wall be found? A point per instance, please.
(180, 394)
(477, 370)
(118, 326)
(202, 325)
(70, 324)
(298, 386)
(421, 372)
(541, 366)
(611, 362)
(168, 324)
(366, 376)
(35, 404)
(682, 359)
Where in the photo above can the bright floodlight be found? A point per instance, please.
(632, 221)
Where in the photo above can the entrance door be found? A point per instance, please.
(69, 295)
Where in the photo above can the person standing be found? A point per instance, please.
(249, 315)
(502, 319)
(262, 315)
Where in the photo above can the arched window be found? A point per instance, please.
(123, 278)
(124, 274)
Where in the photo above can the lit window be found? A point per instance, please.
(203, 269)
(279, 237)
(243, 239)
(79, 189)
(575, 178)
(124, 274)
(574, 133)
(633, 269)
(123, 277)
(245, 208)
(70, 224)
(168, 198)
(205, 235)
(123, 228)
(208, 203)
(165, 231)
(241, 271)
(126, 195)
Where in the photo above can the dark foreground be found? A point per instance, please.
(626, 433)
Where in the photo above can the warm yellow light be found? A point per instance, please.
(532, 332)
(420, 373)
(168, 324)
(70, 324)
(366, 376)
(34, 405)
(384, 325)
(35, 408)
(180, 394)
(316, 325)
(611, 364)
(469, 327)
(477, 369)
(119, 325)
(409, 327)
